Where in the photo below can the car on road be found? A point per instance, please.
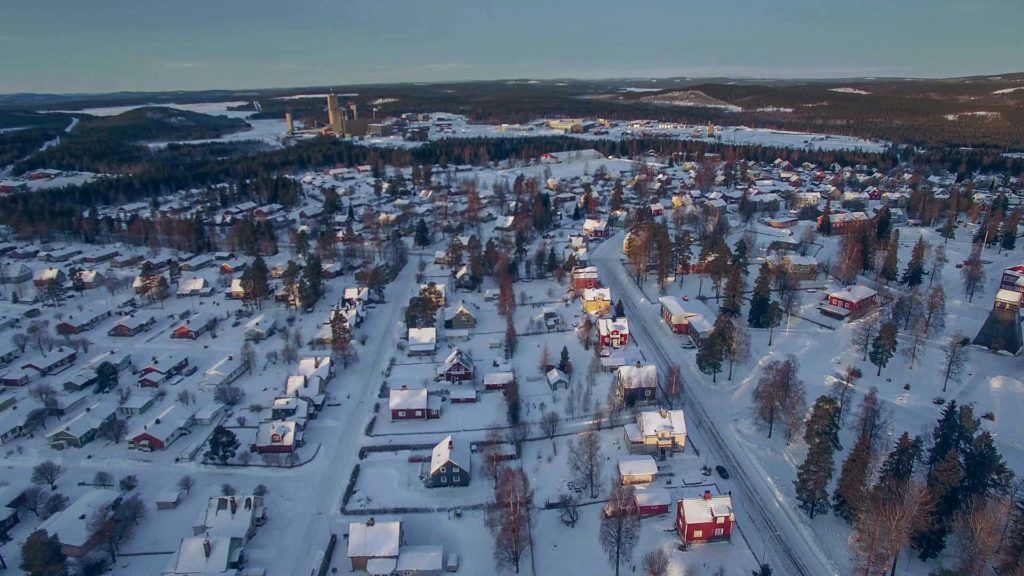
(688, 343)
(722, 472)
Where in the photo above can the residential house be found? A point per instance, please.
(291, 408)
(15, 273)
(195, 286)
(197, 262)
(82, 321)
(804, 267)
(557, 379)
(207, 556)
(660, 430)
(597, 301)
(849, 303)
(498, 380)
(72, 526)
(422, 341)
(56, 361)
(637, 384)
(705, 518)
(422, 561)
(449, 464)
(161, 369)
(278, 437)
(373, 546)
(595, 228)
(651, 501)
(223, 372)
(129, 326)
(82, 428)
(613, 332)
(47, 276)
(194, 327)
(413, 404)
(209, 413)
(135, 404)
(235, 516)
(459, 318)
(260, 328)
(584, 278)
(457, 367)
(163, 429)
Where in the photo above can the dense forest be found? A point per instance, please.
(112, 144)
(22, 133)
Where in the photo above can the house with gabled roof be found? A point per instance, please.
(449, 464)
(457, 367)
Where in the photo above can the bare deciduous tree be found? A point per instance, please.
(656, 563)
(674, 382)
(978, 531)
(620, 526)
(586, 460)
(955, 358)
(779, 395)
(549, 426)
(509, 518)
(891, 514)
(46, 473)
(186, 483)
(864, 333)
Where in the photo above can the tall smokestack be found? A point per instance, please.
(289, 122)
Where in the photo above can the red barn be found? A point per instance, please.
(458, 367)
(705, 519)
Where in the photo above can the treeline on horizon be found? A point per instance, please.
(180, 167)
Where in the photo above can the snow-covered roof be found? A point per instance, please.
(374, 539)
(71, 525)
(651, 496)
(420, 559)
(653, 422)
(637, 376)
(406, 399)
(637, 466)
(192, 558)
(498, 378)
(450, 450)
(219, 519)
(702, 509)
(854, 293)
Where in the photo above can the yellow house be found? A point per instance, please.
(597, 300)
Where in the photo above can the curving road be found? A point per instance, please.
(777, 536)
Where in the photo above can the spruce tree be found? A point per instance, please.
(41, 555)
(823, 423)
(914, 274)
(825, 222)
(899, 465)
(711, 354)
(759, 315)
(813, 476)
(985, 471)
(944, 481)
(851, 488)
(732, 302)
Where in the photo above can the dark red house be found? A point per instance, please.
(850, 302)
(583, 278)
(706, 518)
(458, 367)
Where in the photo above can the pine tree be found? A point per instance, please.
(223, 445)
(889, 269)
(883, 224)
(620, 310)
(884, 346)
(851, 488)
(563, 360)
(914, 274)
(422, 236)
(732, 302)
(823, 423)
(759, 315)
(740, 255)
(1008, 233)
(944, 481)
(41, 555)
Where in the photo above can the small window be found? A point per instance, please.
(698, 533)
(720, 520)
(457, 478)
(442, 469)
(444, 479)
(419, 413)
(401, 413)
(719, 531)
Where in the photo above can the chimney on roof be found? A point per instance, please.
(370, 522)
(234, 505)
(450, 444)
(707, 494)
(663, 411)
(207, 547)
(405, 386)
(637, 363)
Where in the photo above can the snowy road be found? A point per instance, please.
(786, 544)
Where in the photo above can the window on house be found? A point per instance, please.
(401, 413)
(419, 413)
(720, 520)
(698, 533)
(444, 479)
(719, 531)
(457, 478)
(442, 470)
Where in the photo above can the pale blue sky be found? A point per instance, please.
(108, 45)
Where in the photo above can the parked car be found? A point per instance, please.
(688, 343)
(722, 472)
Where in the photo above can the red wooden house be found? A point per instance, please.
(613, 332)
(458, 367)
(705, 519)
(414, 404)
(851, 302)
(193, 328)
(652, 501)
(583, 278)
